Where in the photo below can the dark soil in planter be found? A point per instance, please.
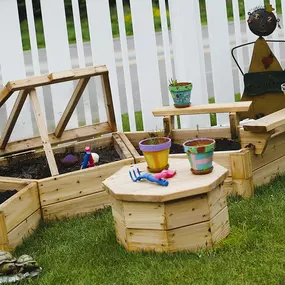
(5, 195)
(221, 145)
(37, 168)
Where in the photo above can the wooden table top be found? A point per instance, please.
(183, 184)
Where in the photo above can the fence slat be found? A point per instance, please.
(276, 46)
(98, 13)
(189, 55)
(34, 50)
(12, 63)
(58, 55)
(166, 43)
(81, 58)
(147, 66)
(126, 64)
(238, 37)
(220, 54)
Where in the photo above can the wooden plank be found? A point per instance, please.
(121, 148)
(136, 137)
(144, 215)
(109, 101)
(71, 106)
(234, 125)
(241, 165)
(5, 94)
(217, 200)
(4, 243)
(194, 237)
(24, 229)
(257, 140)
(129, 145)
(147, 240)
(76, 207)
(43, 133)
(266, 173)
(243, 187)
(267, 123)
(11, 185)
(274, 150)
(168, 124)
(220, 226)
(69, 74)
(119, 220)
(68, 136)
(21, 205)
(203, 109)
(188, 211)
(15, 112)
(77, 184)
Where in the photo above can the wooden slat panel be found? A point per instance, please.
(24, 229)
(121, 148)
(264, 174)
(43, 80)
(81, 57)
(220, 225)
(220, 44)
(70, 135)
(267, 123)
(187, 211)
(102, 46)
(74, 207)
(185, 20)
(144, 215)
(77, 184)
(217, 200)
(43, 133)
(126, 64)
(129, 145)
(11, 185)
(203, 109)
(194, 237)
(147, 66)
(147, 240)
(3, 233)
(21, 205)
(13, 65)
(71, 106)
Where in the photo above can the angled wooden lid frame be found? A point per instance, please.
(26, 87)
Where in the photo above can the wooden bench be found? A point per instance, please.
(168, 112)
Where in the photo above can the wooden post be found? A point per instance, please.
(109, 101)
(71, 106)
(18, 105)
(234, 125)
(242, 177)
(43, 133)
(168, 123)
(4, 243)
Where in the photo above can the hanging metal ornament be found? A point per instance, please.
(262, 22)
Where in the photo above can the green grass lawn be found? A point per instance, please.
(84, 250)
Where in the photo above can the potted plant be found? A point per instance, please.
(156, 152)
(181, 93)
(200, 154)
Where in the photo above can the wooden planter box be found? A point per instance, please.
(20, 214)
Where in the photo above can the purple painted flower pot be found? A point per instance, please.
(156, 152)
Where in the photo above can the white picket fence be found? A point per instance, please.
(139, 66)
